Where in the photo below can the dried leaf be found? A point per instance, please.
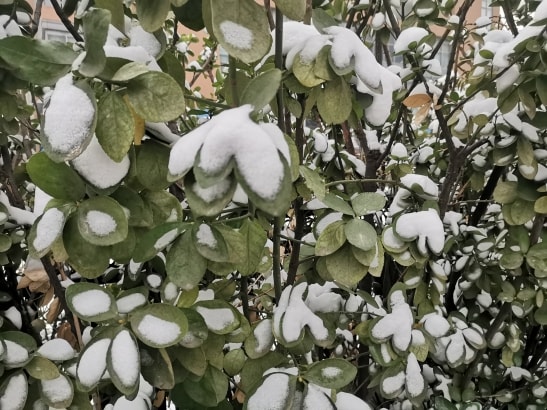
(39, 286)
(54, 310)
(160, 398)
(24, 282)
(416, 100)
(64, 331)
(421, 115)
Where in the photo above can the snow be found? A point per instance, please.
(292, 315)
(92, 363)
(237, 35)
(138, 403)
(57, 350)
(157, 330)
(378, 21)
(430, 190)
(397, 324)
(133, 53)
(426, 226)
(48, 229)
(166, 239)
(435, 325)
(205, 236)
(127, 303)
(15, 393)
(541, 11)
(217, 319)
(213, 192)
(154, 280)
(125, 358)
(15, 354)
(161, 131)
(68, 118)
(347, 401)
(407, 37)
(100, 223)
(171, 291)
(316, 399)
(390, 240)
(91, 302)
(58, 389)
(263, 335)
(272, 393)
(399, 151)
(139, 37)
(456, 348)
(98, 168)
(331, 372)
(14, 316)
(415, 383)
(322, 298)
(393, 384)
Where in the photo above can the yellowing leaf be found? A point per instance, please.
(416, 100)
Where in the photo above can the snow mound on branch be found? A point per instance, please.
(396, 325)
(409, 39)
(426, 226)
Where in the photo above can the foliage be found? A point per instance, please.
(323, 231)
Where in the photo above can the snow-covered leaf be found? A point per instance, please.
(396, 325)
(165, 207)
(414, 380)
(69, 120)
(220, 317)
(197, 330)
(155, 240)
(18, 349)
(57, 350)
(260, 91)
(152, 13)
(159, 325)
(347, 401)
(56, 179)
(47, 229)
(95, 26)
(241, 27)
(129, 300)
(37, 61)
(315, 398)
(293, 9)
(123, 362)
(261, 339)
(331, 373)
(155, 96)
(91, 302)
(139, 214)
(276, 391)
(92, 361)
(210, 243)
(208, 201)
(14, 391)
(57, 393)
(185, 266)
(115, 126)
(393, 381)
(102, 221)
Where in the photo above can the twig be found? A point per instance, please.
(276, 256)
(35, 23)
(66, 21)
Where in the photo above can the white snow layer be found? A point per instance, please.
(125, 358)
(426, 226)
(233, 135)
(263, 335)
(15, 393)
(48, 229)
(57, 350)
(92, 363)
(15, 354)
(397, 324)
(98, 168)
(68, 118)
(217, 319)
(415, 383)
(272, 393)
(100, 223)
(236, 35)
(347, 401)
(57, 390)
(157, 330)
(91, 302)
(409, 37)
(205, 236)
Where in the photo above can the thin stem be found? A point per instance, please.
(360, 181)
(244, 295)
(279, 65)
(66, 21)
(276, 256)
(232, 76)
(208, 102)
(36, 17)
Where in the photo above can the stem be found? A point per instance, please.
(279, 65)
(360, 181)
(36, 17)
(12, 191)
(244, 295)
(232, 76)
(66, 21)
(208, 102)
(276, 256)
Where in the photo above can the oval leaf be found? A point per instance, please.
(91, 302)
(159, 325)
(102, 221)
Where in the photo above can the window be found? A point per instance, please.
(486, 10)
(58, 35)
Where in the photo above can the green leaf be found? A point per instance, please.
(334, 101)
(331, 373)
(293, 9)
(102, 221)
(189, 13)
(95, 25)
(152, 160)
(540, 315)
(139, 213)
(123, 362)
(541, 87)
(537, 256)
(165, 207)
(305, 72)
(250, 249)
(506, 192)
(39, 62)
(313, 181)
(443, 404)
(361, 234)
(159, 369)
(335, 202)
(208, 202)
(57, 393)
(210, 243)
(155, 96)
(241, 27)
(331, 239)
(234, 361)
(208, 390)
(129, 71)
(261, 90)
(321, 19)
(115, 128)
(5, 243)
(540, 206)
(88, 260)
(116, 12)
(367, 202)
(56, 179)
(156, 240)
(344, 267)
(185, 266)
(159, 325)
(42, 369)
(15, 385)
(152, 13)
(172, 66)
(251, 374)
(91, 302)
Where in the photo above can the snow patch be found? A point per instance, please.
(157, 330)
(48, 229)
(237, 35)
(91, 303)
(57, 350)
(100, 223)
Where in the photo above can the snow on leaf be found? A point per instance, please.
(415, 383)
(159, 324)
(408, 37)
(273, 394)
(396, 325)
(57, 350)
(92, 363)
(15, 355)
(68, 121)
(219, 320)
(48, 229)
(90, 301)
(422, 185)
(123, 362)
(237, 35)
(157, 330)
(435, 325)
(426, 226)
(100, 223)
(393, 384)
(58, 392)
(13, 392)
(315, 398)
(98, 168)
(347, 401)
